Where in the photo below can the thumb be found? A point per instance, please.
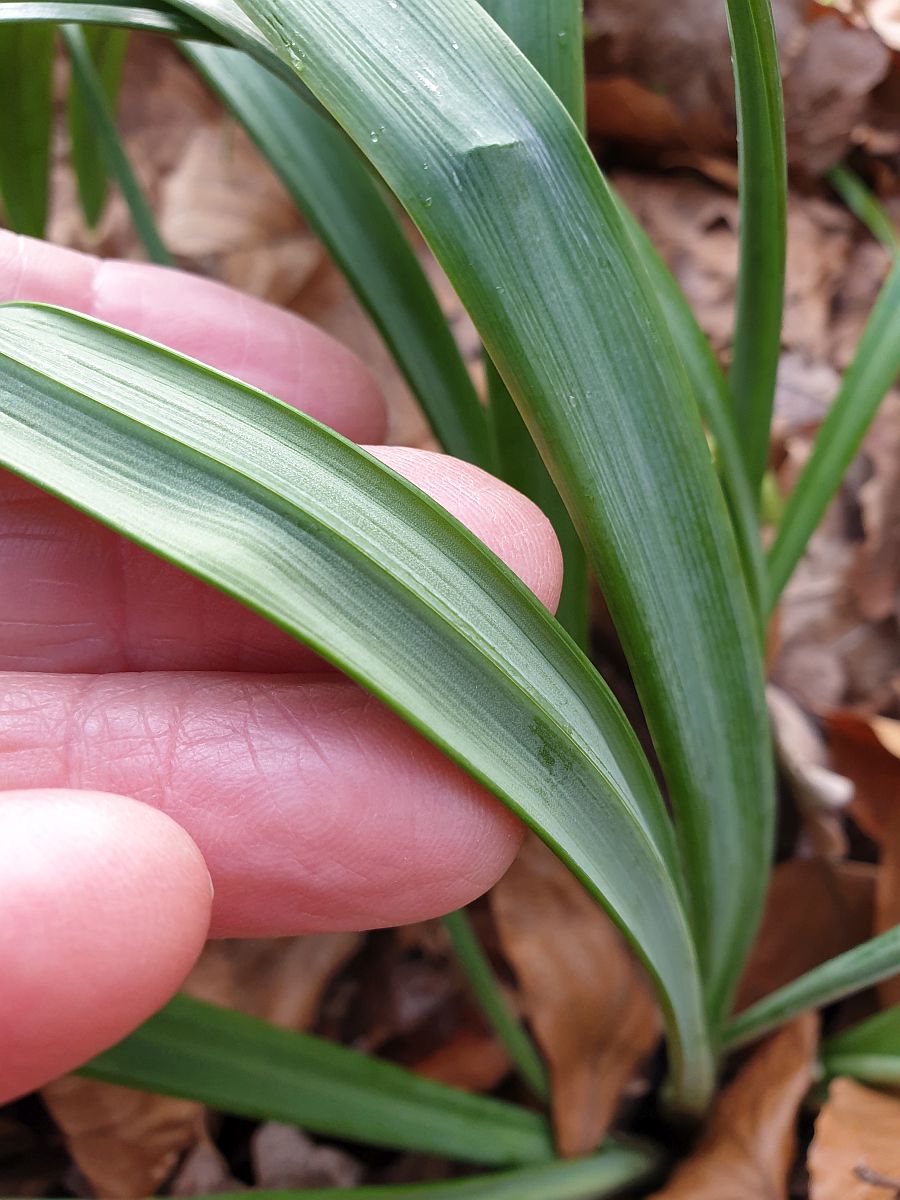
(104, 909)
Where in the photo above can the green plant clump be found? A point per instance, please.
(606, 405)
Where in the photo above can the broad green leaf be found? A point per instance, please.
(871, 374)
(245, 1066)
(496, 1008)
(865, 206)
(762, 161)
(93, 94)
(869, 1051)
(548, 32)
(516, 211)
(335, 191)
(26, 117)
(307, 529)
(605, 1174)
(859, 968)
(107, 48)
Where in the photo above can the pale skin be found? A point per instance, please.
(158, 743)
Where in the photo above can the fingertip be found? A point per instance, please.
(106, 908)
(507, 522)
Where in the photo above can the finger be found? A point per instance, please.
(265, 346)
(314, 807)
(105, 907)
(76, 597)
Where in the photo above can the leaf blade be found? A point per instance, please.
(242, 1065)
(107, 47)
(557, 292)
(872, 372)
(762, 163)
(305, 528)
(91, 89)
(856, 969)
(26, 115)
(331, 186)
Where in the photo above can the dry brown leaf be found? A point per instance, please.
(814, 910)
(281, 980)
(855, 1153)
(126, 1143)
(868, 751)
(472, 1060)
(584, 995)
(746, 1150)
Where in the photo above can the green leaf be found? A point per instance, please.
(870, 376)
(160, 19)
(245, 1066)
(335, 191)
(859, 968)
(92, 92)
(516, 211)
(549, 34)
(106, 48)
(762, 161)
(307, 529)
(604, 1174)
(496, 1008)
(864, 206)
(714, 401)
(216, 21)
(26, 118)
(869, 1051)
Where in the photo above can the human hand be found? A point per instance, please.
(154, 734)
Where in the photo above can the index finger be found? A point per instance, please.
(265, 346)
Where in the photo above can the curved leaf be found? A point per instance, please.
(324, 541)
(519, 216)
(866, 964)
(869, 1051)
(873, 371)
(242, 1065)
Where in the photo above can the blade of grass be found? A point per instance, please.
(245, 1066)
(869, 1051)
(762, 162)
(864, 206)
(305, 528)
(519, 216)
(333, 188)
(871, 374)
(548, 32)
(107, 49)
(486, 989)
(26, 116)
(859, 968)
(92, 91)
(615, 1168)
